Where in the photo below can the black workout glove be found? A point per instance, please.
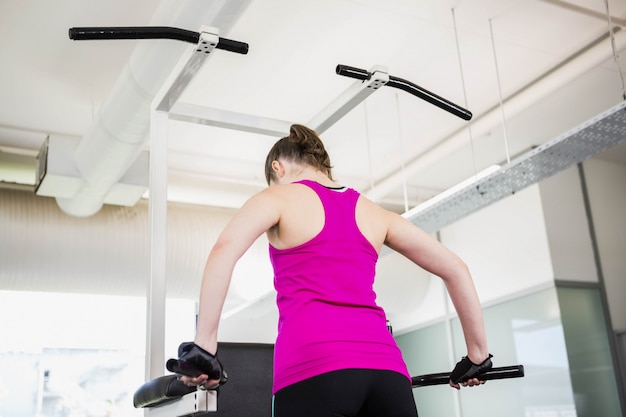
(466, 369)
(193, 361)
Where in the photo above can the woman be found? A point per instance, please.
(333, 354)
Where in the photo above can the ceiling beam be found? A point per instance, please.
(583, 10)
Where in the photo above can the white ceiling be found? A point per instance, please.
(553, 68)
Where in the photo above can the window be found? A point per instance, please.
(66, 355)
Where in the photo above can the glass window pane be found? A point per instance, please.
(425, 352)
(70, 354)
(525, 331)
(65, 355)
(590, 361)
(621, 341)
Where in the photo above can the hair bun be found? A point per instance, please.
(303, 145)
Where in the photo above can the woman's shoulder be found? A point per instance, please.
(373, 211)
(280, 191)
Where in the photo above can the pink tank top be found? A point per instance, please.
(328, 316)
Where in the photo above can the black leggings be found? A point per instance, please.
(348, 393)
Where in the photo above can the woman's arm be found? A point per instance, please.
(255, 217)
(406, 238)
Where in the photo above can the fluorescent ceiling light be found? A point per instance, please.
(467, 183)
(598, 134)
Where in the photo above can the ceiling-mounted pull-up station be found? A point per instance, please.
(370, 81)
(152, 32)
(206, 40)
(409, 87)
(324, 119)
(179, 78)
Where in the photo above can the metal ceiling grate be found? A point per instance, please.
(588, 139)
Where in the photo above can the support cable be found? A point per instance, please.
(504, 130)
(615, 54)
(469, 125)
(369, 152)
(402, 153)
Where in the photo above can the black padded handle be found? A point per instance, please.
(347, 71)
(504, 372)
(409, 87)
(151, 32)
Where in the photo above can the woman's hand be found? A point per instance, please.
(467, 373)
(201, 381)
(197, 367)
(473, 382)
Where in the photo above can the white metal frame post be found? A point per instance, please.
(161, 105)
(157, 207)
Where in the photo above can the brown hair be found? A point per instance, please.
(302, 145)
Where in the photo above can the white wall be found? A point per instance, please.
(408, 294)
(43, 249)
(529, 240)
(506, 248)
(567, 226)
(569, 233)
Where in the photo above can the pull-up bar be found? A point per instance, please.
(409, 87)
(443, 378)
(152, 32)
(166, 396)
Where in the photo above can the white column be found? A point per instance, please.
(155, 317)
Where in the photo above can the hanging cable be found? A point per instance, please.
(369, 153)
(402, 153)
(615, 54)
(469, 125)
(495, 60)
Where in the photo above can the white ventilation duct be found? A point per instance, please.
(121, 130)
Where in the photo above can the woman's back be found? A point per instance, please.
(328, 316)
(302, 217)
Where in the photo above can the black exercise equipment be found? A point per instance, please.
(194, 361)
(249, 389)
(409, 87)
(504, 372)
(247, 393)
(151, 32)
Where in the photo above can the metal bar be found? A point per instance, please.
(157, 210)
(409, 87)
(349, 99)
(352, 72)
(430, 97)
(186, 70)
(151, 32)
(193, 113)
(443, 378)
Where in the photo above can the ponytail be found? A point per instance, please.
(302, 146)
